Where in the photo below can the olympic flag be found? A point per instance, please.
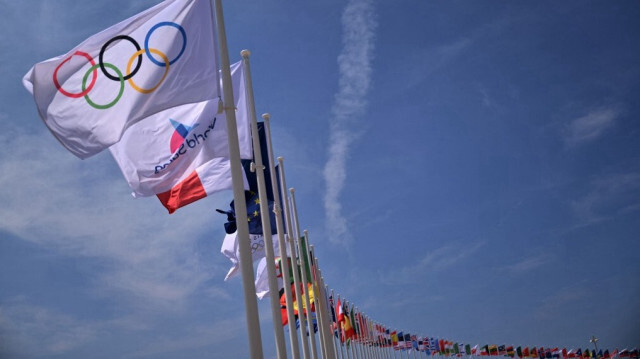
(181, 154)
(158, 59)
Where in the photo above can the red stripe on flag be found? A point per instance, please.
(187, 191)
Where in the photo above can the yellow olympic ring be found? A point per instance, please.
(166, 70)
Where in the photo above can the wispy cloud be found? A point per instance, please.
(433, 261)
(609, 195)
(527, 264)
(591, 126)
(354, 62)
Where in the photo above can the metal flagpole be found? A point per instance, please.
(246, 263)
(292, 249)
(281, 350)
(333, 332)
(326, 322)
(282, 247)
(318, 298)
(305, 280)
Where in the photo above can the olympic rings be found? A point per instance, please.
(257, 245)
(166, 70)
(129, 72)
(104, 47)
(84, 82)
(93, 80)
(165, 23)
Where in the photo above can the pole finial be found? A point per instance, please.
(266, 116)
(245, 53)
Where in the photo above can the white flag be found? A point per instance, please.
(158, 59)
(230, 248)
(180, 154)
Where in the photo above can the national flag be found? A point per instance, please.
(400, 341)
(510, 352)
(334, 317)
(525, 352)
(394, 338)
(475, 350)
(519, 352)
(347, 329)
(181, 154)
(467, 349)
(624, 353)
(283, 303)
(433, 345)
(502, 350)
(340, 313)
(407, 341)
(352, 317)
(493, 349)
(534, 352)
(160, 58)
(484, 350)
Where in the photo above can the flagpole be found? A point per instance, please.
(294, 260)
(281, 350)
(305, 280)
(331, 350)
(246, 263)
(305, 258)
(328, 349)
(333, 332)
(282, 247)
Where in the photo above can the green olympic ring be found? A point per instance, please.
(84, 84)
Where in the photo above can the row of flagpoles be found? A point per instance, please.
(179, 124)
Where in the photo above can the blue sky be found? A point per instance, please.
(468, 170)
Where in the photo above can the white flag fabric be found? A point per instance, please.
(230, 248)
(180, 154)
(158, 59)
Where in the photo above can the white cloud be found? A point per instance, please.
(354, 61)
(84, 209)
(608, 195)
(433, 261)
(527, 264)
(35, 330)
(591, 126)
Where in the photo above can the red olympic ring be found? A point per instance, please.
(93, 79)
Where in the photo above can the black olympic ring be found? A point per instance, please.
(104, 48)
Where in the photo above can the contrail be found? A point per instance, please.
(354, 61)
